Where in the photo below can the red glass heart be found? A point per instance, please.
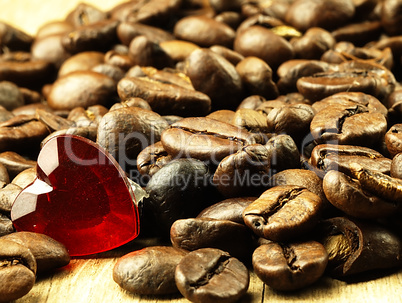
(81, 198)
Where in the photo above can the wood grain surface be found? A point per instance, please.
(89, 280)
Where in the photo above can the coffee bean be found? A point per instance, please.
(13, 38)
(223, 115)
(4, 177)
(6, 225)
(227, 53)
(51, 49)
(10, 95)
(208, 275)
(358, 33)
(149, 271)
(393, 139)
(152, 158)
(7, 196)
(313, 44)
(290, 266)
(195, 233)
(178, 50)
(49, 253)
(17, 270)
(53, 28)
(84, 14)
(396, 166)
(81, 62)
(283, 212)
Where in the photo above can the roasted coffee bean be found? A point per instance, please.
(300, 177)
(343, 125)
(352, 99)
(5, 114)
(227, 53)
(304, 14)
(180, 189)
(256, 76)
(216, 77)
(251, 120)
(204, 31)
(291, 70)
(49, 253)
(52, 121)
(31, 74)
(68, 92)
(290, 266)
(51, 49)
(245, 172)
(390, 17)
(31, 96)
(10, 95)
(149, 271)
(204, 138)
(6, 225)
(223, 115)
(396, 166)
(211, 275)
(251, 102)
(170, 119)
(25, 177)
(393, 139)
(355, 246)
(17, 270)
(263, 43)
(315, 42)
(132, 102)
(13, 38)
(358, 33)
(112, 71)
(85, 14)
(127, 31)
(195, 233)
(353, 199)
(120, 60)
(178, 50)
(81, 62)
(4, 176)
(96, 36)
(164, 98)
(229, 209)
(145, 52)
(7, 196)
(328, 157)
(168, 76)
(126, 131)
(152, 158)
(51, 28)
(22, 131)
(283, 212)
(378, 183)
(285, 153)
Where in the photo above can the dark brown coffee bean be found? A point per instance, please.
(223, 115)
(17, 271)
(283, 212)
(204, 31)
(216, 77)
(178, 50)
(396, 166)
(120, 60)
(304, 14)
(112, 71)
(344, 125)
(52, 121)
(225, 5)
(315, 42)
(390, 17)
(211, 275)
(290, 266)
(358, 33)
(231, 18)
(68, 92)
(81, 62)
(355, 246)
(10, 95)
(85, 14)
(229, 209)
(6, 225)
(49, 253)
(149, 271)
(328, 157)
(127, 31)
(263, 43)
(164, 98)
(152, 158)
(230, 55)
(4, 176)
(13, 38)
(180, 189)
(126, 131)
(132, 102)
(251, 120)
(251, 102)
(393, 139)
(204, 138)
(352, 198)
(7, 196)
(22, 131)
(285, 153)
(145, 52)
(256, 75)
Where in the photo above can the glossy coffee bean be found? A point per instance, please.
(81, 62)
(290, 266)
(127, 31)
(204, 139)
(195, 233)
(178, 50)
(396, 166)
(393, 139)
(49, 253)
(315, 42)
(68, 92)
(8, 194)
(85, 14)
(211, 275)
(152, 158)
(6, 225)
(227, 53)
(283, 212)
(149, 271)
(17, 273)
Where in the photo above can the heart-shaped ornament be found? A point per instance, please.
(80, 197)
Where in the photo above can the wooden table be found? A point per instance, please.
(89, 280)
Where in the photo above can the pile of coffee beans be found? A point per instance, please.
(266, 134)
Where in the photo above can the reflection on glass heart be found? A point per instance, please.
(81, 198)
